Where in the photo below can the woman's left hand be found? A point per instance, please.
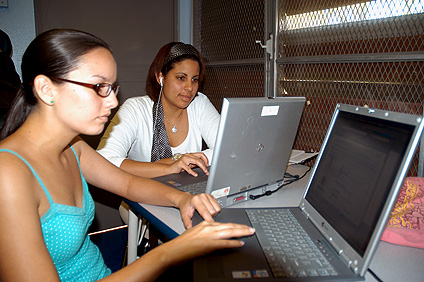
(205, 204)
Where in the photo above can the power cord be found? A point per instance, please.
(374, 275)
(288, 179)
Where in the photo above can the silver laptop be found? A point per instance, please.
(253, 145)
(336, 228)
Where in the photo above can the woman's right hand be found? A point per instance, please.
(205, 238)
(200, 240)
(189, 161)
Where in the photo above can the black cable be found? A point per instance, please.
(288, 179)
(374, 275)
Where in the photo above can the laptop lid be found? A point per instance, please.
(252, 148)
(348, 199)
(357, 176)
(253, 145)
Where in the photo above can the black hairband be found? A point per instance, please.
(180, 49)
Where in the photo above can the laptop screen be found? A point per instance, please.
(356, 172)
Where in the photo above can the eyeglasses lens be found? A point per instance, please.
(104, 89)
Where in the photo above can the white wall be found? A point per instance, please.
(18, 21)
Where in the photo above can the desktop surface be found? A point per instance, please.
(390, 263)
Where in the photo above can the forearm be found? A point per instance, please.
(147, 268)
(165, 161)
(148, 191)
(145, 169)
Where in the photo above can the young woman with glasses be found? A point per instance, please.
(69, 89)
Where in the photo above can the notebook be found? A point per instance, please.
(253, 145)
(347, 201)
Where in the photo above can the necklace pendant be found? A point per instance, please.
(174, 126)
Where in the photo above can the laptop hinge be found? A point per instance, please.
(330, 240)
(304, 211)
(344, 257)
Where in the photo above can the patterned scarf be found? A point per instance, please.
(161, 149)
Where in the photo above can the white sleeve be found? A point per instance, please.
(121, 133)
(209, 122)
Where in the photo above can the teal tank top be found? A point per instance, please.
(65, 232)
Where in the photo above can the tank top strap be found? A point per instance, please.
(76, 157)
(33, 171)
(84, 183)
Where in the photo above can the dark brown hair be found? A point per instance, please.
(53, 53)
(165, 60)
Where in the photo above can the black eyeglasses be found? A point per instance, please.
(102, 89)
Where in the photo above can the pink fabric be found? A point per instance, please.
(406, 223)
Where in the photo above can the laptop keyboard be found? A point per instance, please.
(289, 250)
(195, 188)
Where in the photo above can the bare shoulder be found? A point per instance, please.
(11, 163)
(17, 193)
(16, 179)
(21, 238)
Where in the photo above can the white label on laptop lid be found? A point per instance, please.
(269, 111)
(221, 192)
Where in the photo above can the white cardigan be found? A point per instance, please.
(130, 133)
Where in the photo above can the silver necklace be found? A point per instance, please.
(174, 126)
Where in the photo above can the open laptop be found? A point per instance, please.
(348, 199)
(253, 145)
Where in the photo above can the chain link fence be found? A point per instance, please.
(225, 32)
(366, 53)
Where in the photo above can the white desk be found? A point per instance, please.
(390, 263)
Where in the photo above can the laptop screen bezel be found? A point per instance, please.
(359, 259)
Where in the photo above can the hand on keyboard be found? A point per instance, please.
(189, 161)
